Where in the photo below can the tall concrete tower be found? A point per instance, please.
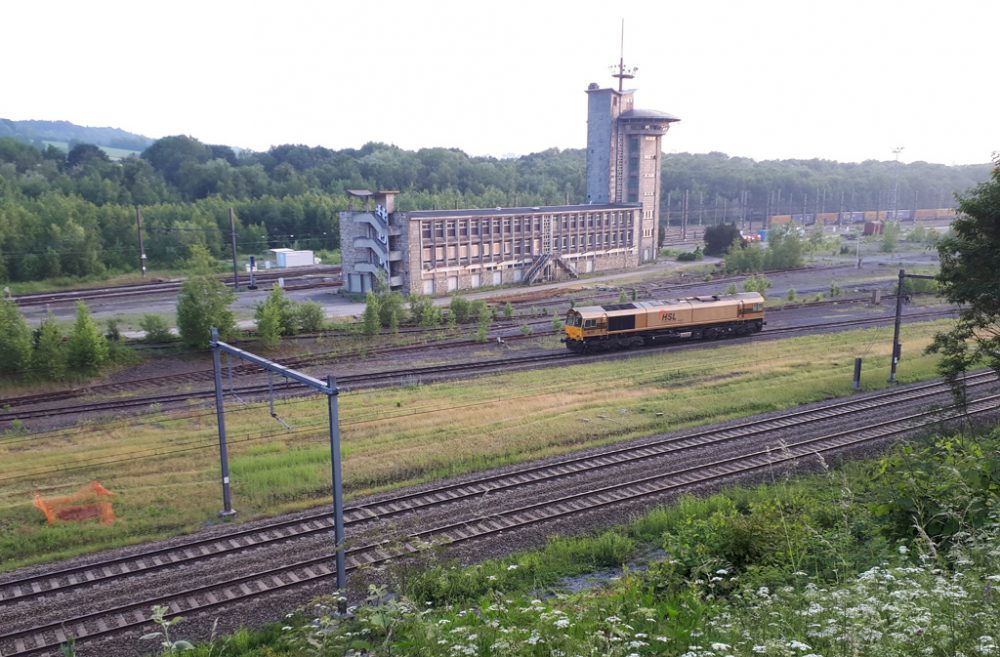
(623, 154)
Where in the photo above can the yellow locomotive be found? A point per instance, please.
(627, 325)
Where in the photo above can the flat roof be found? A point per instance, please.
(549, 209)
(647, 114)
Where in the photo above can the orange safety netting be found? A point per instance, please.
(91, 501)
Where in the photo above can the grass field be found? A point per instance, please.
(163, 468)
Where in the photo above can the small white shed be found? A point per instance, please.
(292, 258)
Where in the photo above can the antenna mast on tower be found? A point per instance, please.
(621, 72)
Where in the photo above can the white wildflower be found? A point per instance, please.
(513, 566)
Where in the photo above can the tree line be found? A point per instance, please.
(73, 214)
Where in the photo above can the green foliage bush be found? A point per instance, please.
(49, 358)
(757, 283)
(203, 302)
(484, 320)
(269, 325)
(155, 328)
(720, 237)
(310, 316)
(279, 316)
(784, 251)
(460, 309)
(939, 490)
(690, 256)
(424, 312)
(86, 349)
(890, 236)
(15, 340)
(372, 318)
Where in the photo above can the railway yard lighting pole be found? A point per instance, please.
(330, 389)
(895, 184)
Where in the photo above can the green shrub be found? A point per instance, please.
(86, 349)
(15, 340)
(460, 310)
(690, 256)
(155, 328)
(372, 318)
(757, 283)
(311, 317)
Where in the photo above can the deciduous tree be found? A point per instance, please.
(203, 302)
(86, 349)
(49, 358)
(970, 262)
(15, 340)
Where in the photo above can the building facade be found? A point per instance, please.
(441, 251)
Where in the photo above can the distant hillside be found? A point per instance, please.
(67, 133)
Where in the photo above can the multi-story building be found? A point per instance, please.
(438, 251)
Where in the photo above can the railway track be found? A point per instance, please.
(166, 287)
(41, 635)
(19, 408)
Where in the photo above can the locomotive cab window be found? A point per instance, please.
(573, 319)
(757, 307)
(590, 323)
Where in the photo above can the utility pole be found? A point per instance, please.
(232, 232)
(684, 216)
(895, 183)
(142, 251)
(896, 347)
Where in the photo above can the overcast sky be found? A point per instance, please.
(846, 80)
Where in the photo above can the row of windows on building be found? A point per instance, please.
(520, 225)
(436, 256)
